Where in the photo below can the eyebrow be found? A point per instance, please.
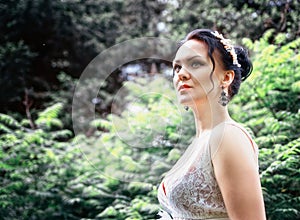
(187, 59)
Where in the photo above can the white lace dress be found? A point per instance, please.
(189, 190)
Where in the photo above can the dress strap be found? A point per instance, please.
(253, 144)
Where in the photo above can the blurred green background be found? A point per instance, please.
(112, 171)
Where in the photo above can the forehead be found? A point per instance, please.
(191, 48)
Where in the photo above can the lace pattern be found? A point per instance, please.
(194, 193)
(190, 190)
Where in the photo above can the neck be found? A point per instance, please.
(208, 115)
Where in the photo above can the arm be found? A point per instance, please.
(237, 175)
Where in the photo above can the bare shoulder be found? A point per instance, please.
(233, 141)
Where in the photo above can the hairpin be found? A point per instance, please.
(228, 47)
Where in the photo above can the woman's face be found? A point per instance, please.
(192, 67)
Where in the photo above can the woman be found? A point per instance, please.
(217, 176)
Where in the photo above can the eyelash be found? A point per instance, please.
(198, 64)
(176, 69)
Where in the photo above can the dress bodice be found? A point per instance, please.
(190, 189)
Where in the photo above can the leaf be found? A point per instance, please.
(9, 121)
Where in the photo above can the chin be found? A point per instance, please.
(185, 102)
(190, 102)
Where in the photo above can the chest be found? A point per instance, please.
(190, 187)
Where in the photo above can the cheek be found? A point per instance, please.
(206, 84)
(175, 81)
(203, 81)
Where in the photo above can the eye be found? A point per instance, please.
(176, 69)
(195, 64)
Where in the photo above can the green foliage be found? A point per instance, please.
(45, 176)
(134, 149)
(237, 19)
(114, 173)
(8, 121)
(41, 38)
(48, 118)
(15, 63)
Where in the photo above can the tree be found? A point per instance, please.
(236, 19)
(42, 38)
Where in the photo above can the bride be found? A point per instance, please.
(217, 176)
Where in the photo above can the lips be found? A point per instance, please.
(184, 86)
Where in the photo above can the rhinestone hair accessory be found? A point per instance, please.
(228, 47)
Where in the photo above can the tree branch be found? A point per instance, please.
(28, 103)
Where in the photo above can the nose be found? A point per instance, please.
(183, 74)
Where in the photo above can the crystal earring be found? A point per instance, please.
(224, 98)
(186, 108)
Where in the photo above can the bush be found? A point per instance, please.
(269, 105)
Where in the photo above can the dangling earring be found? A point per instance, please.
(186, 108)
(224, 98)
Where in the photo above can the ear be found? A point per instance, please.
(227, 78)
